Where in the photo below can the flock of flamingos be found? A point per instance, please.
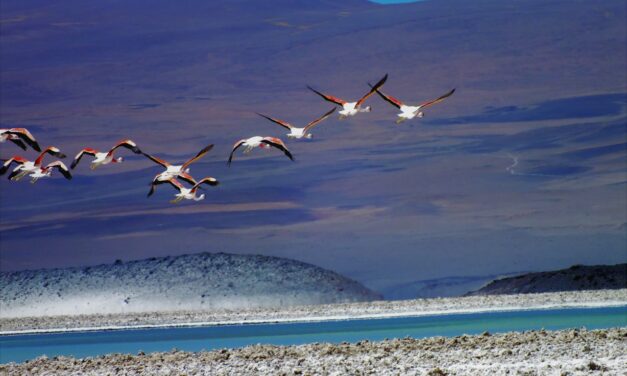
(174, 174)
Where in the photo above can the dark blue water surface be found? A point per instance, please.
(18, 348)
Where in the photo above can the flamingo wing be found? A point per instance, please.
(129, 144)
(329, 98)
(52, 150)
(17, 142)
(440, 99)
(235, 147)
(80, 154)
(157, 160)
(279, 122)
(17, 159)
(62, 169)
(372, 90)
(200, 154)
(187, 177)
(25, 136)
(172, 181)
(390, 99)
(277, 143)
(318, 120)
(207, 180)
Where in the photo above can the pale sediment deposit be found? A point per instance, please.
(566, 352)
(374, 309)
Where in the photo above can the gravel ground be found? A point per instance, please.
(566, 352)
(318, 312)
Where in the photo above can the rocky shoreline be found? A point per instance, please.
(315, 312)
(566, 352)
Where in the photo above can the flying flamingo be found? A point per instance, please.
(180, 171)
(103, 158)
(19, 136)
(260, 142)
(299, 133)
(26, 167)
(184, 193)
(44, 172)
(351, 108)
(410, 112)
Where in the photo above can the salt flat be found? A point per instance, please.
(315, 312)
(566, 352)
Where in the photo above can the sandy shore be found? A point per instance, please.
(316, 313)
(567, 352)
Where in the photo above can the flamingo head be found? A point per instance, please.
(420, 114)
(201, 197)
(367, 109)
(119, 159)
(309, 136)
(186, 170)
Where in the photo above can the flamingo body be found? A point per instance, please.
(260, 142)
(351, 108)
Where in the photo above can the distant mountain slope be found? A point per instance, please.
(578, 277)
(188, 282)
(438, 287)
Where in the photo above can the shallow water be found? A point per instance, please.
(19, 348)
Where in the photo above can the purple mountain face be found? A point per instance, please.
(523, 168)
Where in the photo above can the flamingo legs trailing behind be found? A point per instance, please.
(260, 142)
(184, 193)
(46, 171)
(410, 112)
(351, 108)
(295, 132)
(26, 167)
(177, 171)
(103, 158)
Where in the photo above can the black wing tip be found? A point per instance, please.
(19, 143)
(314, 90)
(380, 82)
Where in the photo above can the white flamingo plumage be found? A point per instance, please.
(185, 193)
(410, 112)
(351, 108)
(26, 167)
(260, 142)
(103, 158)
(180, 171)
(19, 136)
(295, 132)
(46, 171)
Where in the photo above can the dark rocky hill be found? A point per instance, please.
(578, 277)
